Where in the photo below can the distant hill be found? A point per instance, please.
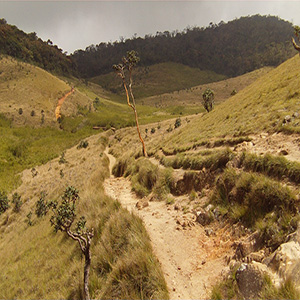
(223, 90)
(29, 95)
(30, 48)
(158, 79)
(232, 48)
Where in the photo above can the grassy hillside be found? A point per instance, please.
(192, 96)
(233, 163)
(40, 264)
(262, 106)
(26, 87)
(158, 79)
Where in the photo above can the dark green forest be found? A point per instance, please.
(30, 48)
(231, 49)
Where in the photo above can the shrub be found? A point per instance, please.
(83, 144)
(32, 114)
(3, 202)
(257, 201)
(62, 159)
(208, 99)
(41, 206)
(152, 130)
(274, 166)
(16, 200)
(20, 111)
(145, 175)
(177, 123)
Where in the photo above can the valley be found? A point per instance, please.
(212, 210)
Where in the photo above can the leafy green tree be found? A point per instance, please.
(64, 215)
(128, 64)
(297, 34)
(208, 99)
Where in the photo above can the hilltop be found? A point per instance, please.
(231, 49)
(30, 48)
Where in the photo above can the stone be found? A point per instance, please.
(177, 206)
(203, 217)
(287, 119)
(283, 152)
(257, 256)
(286, 262)
(142, 204)
(249, 280)
(209, 232)
(295, 115)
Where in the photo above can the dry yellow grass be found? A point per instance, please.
(40, 264)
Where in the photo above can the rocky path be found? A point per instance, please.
(192, 262)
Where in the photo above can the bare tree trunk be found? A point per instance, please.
(87, 265)
(136, 116)
(297, 47)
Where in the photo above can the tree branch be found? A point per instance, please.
(81, 240)
(297, 47)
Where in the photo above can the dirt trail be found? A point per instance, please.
(192, 262)
(60, 102)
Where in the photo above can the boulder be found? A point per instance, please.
(142, 204)
(249, 280)
(286, 262)
(204, 217)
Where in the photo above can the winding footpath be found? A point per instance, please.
(60, 102)
(188, 258)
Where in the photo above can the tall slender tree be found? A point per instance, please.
(128, 64)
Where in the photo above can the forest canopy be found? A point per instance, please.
(231, 49)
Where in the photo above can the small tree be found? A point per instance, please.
(208, 99)
(128, 64)
(297, 34)
(3, 202)
(64, 215)
(16, 200)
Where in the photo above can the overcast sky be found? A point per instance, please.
(77, 24)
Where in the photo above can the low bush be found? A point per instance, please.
(144, 177)
(258, 202)
(212, 161)
(273, 166)
(4, 202)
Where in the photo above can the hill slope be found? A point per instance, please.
(158, 79)
(30, 48)
(28, 92)
(193, 96)
(232, 48)
(234, 171)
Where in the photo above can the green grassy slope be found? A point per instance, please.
(193, 96)
(159, 78)
(262, 106)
